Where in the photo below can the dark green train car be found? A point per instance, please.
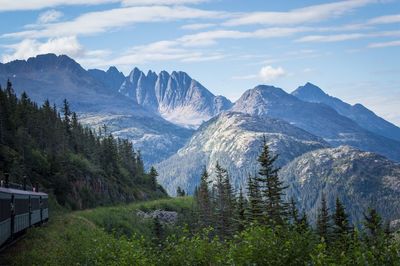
(19, 210)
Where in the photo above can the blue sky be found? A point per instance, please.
(351, 49)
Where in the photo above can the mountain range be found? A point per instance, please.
(181, 127)
(360, 179)
(359, 113)
(176, 97)
(234, 140)
(316, 118)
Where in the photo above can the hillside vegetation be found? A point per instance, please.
(116, 236)
(83, 168)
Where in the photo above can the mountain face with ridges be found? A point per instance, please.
(316, 118)
(358, 113)
(59, 77)
(94, 96)
(360, 179)
(176, 97)
(234, 140)
(112, 78)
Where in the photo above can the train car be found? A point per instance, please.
(5, 216)
(36, 215)
(44, 207)
(20, 209)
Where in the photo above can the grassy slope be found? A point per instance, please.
(115, 236)
(93, 237)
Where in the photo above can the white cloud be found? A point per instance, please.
(269, 73)
(384, 44)
(101, 21)
(16, 5)
(160, 2)
(154, 52)
(197, 26)
(13, 5)
(308, 14)
(49, 16)
(331, 38)
(210, 37)
(347, 36)
(29, 47)
(388, 19)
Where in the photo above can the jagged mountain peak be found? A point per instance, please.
(176, 96)
(265, 92)
(317, 118)
(151, 73)
(113, 70)
(234, 139)
(269, 89)
(45, 62)
(358, 113)
(135, 73)
(311, 90)
(180, 74)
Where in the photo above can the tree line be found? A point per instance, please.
(229, 213)
(82, 167)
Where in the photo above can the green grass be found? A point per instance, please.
(101, 236)
(122, 220)
(116, 236)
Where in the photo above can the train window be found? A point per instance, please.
(35, 204)
(21, 206)
(5, 209)
(45, 203)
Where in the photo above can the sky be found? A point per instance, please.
(351, 49)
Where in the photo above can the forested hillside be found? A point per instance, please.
(217, 227)
(81, 167)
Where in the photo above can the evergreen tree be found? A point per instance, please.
(323, 220)
(255, 206)
(303, 223)
(272, 187)
(224, 203)
(341, 220)
(203, 201)
(373, 225)
(241, 211)
(153, 178)
(293, 212)
(179, 192)
(67, 116)
(58, 152)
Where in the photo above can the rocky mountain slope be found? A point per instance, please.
(235, 140)
(316, 118)
(358, 113)
(150, 110)
(112, 78)
(59, 77)
(94, 95)
(176, 97)
(360, 179)
(156, 138)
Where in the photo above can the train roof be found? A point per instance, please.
(21, 192)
